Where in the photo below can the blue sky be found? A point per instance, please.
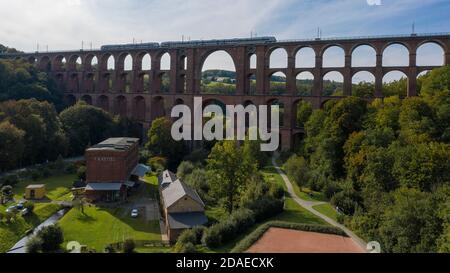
(63, 24)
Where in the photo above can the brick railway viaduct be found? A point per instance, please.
(138, 93)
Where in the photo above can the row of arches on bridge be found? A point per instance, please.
(331, 83)
(141, 109)
(396, 54)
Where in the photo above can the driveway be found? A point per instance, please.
(308, 205)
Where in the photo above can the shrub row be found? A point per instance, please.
(188, 239)
(265, 208)
(240, 220)
(248, 241)
(224, 231)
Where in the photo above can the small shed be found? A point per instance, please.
(34, 192)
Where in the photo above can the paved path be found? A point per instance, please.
(20, 246)
(308, 205)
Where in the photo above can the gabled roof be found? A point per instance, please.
(186, 220)
(165, 178)
(140, 170)
(178, 190)
(115, 144)
(104, 186)
(35, 186)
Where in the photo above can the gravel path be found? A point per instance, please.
(308, 205)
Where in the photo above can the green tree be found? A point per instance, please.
(86, 125)
(22, 80)
(44, 138)
(11, 145)
(252, 153)
(34, 245)
(161, 143)
(304, 111)
(230, 171)
(184, 169)
(52, 238)
(410, 224)
(297, 168)
(199, 180)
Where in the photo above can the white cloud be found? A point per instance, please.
(65, 24)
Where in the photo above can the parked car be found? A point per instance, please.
(11, 209)
(24, 212)
(20, 205)
(134, 213)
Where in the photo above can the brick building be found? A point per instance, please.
(112, 168)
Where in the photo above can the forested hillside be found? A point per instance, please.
(386, 165)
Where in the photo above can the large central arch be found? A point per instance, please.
(218, 73)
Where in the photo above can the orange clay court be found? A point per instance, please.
(279, 240)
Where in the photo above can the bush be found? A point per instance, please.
(188, 248)
(185, 168)
(46, 172)
(35, 175)
(187, 237)
(9, 180)
(346, 201)
(198, 233)
(129, 246)
(276, 191)
(110, 249)
(212, 236)
(157, 163)
(70, 168)
(330, 190)
(266, 207)
(223, 232)
(81, 173)
(297, 168)
(52, 238)
(197, 156)
(34, 245)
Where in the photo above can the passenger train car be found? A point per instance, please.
(193, 43)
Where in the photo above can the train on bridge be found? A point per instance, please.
(193, 43)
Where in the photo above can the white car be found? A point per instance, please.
(134, 213)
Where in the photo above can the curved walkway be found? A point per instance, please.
(308, 205)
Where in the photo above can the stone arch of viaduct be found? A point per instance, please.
(136, 92)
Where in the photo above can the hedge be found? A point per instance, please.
(266, 207)
(239, 221)
(248, 241)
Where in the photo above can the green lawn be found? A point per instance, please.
(99, 227)
(58, 187)
(12, 232)
(327, 210)
(153, 250)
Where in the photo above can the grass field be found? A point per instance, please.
(99, 227)
(12, 232)
(327, 210)
(58, 187)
